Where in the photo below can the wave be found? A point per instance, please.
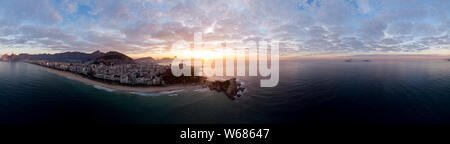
(70, 78)
(171, 92)
(103, 88)
(168, 93)
(145, 94)
(201, 90)
(173, 95)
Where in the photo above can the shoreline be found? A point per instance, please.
(88, 81)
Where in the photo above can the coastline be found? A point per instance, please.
(120, 87)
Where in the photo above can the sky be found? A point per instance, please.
(305, 28)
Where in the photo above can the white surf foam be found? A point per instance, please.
(145, 94)
(163, 93)
(202, 90)
(103, 88)
(171, 92)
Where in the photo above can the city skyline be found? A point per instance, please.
(306, 28)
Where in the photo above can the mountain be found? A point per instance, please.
(114, 57)
(153, 60)
(66, 56)
(166, 59)
(97, 54)
(145, 60)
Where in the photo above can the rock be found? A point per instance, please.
(232, 87)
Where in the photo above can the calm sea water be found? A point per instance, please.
(378, 92)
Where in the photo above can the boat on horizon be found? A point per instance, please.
(351, 60)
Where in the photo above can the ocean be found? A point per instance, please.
(319, 92)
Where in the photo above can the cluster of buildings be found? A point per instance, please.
(5, 57)
(130, 74)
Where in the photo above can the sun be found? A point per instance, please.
(206, 54)
(209, 30)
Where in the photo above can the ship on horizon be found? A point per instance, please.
(351, 60)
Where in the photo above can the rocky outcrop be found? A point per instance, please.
(232, 88)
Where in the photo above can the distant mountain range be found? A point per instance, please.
(112, 57)
(66, 56)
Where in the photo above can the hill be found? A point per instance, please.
(114, 57)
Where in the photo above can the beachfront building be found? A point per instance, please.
(5, 57)
(123, 79)
(130, 74)
(13, 57)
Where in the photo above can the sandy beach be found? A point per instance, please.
(120, 87)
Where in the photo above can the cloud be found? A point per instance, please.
(390, 41)
(112, 10)
(304, 27)
(334, 12)
(424, 29)
(140, 30)
(439, 40)
(36, 11)
(372, 30)
(400, 28)
(364, 6)
(405, 14)
(69, 6)
(35, 32)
